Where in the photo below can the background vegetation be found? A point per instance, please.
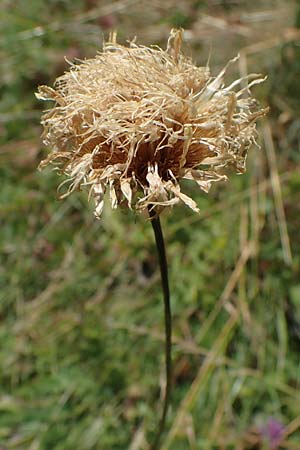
(81, 324)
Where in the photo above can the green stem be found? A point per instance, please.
(159, 239)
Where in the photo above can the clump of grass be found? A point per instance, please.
(79, 303)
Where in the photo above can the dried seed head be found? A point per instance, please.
(135, 120)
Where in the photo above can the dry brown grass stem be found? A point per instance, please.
(223, 301)
(277, 193)
(200, 380)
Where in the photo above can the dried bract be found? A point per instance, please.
(136, 120)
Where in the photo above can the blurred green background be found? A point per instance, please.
(81, 317)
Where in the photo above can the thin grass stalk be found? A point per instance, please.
(161, 251)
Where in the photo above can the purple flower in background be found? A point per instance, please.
(273, 432)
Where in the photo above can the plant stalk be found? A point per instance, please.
(159, 239)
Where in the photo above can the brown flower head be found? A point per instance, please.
(135, 120)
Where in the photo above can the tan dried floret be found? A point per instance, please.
(135, 120)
